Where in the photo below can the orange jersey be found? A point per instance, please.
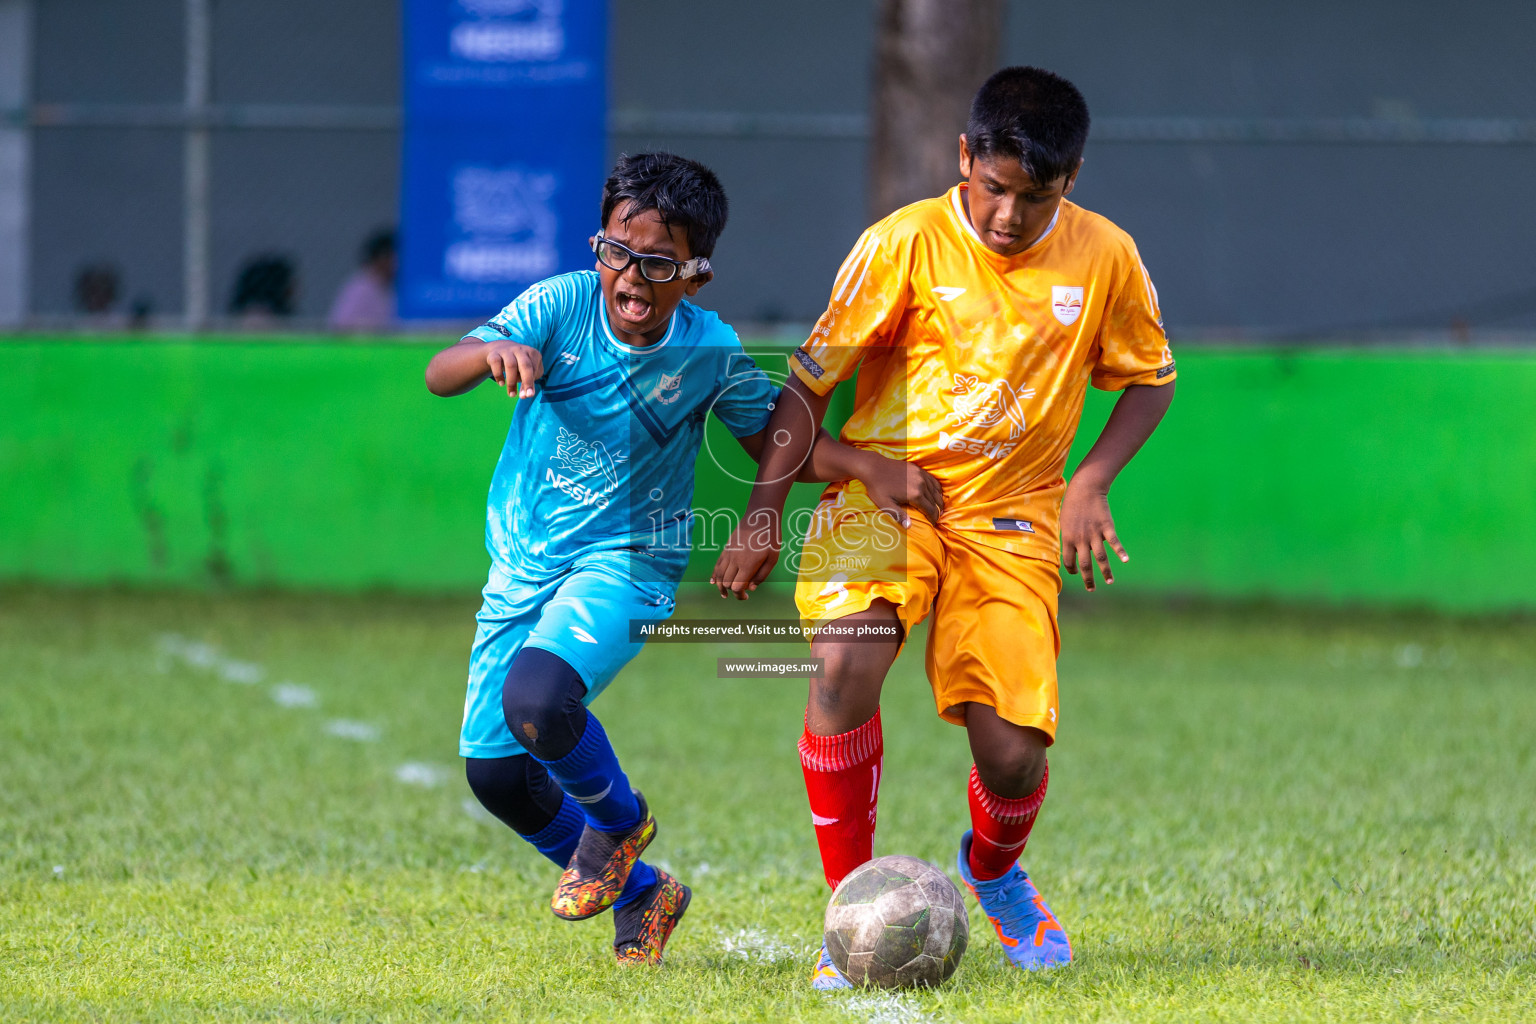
(974, 365)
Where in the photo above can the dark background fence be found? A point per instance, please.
(1300, 170)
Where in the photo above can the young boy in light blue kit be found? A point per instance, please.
(588, 525)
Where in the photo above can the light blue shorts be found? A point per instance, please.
(582, 616)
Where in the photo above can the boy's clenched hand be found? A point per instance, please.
(462, 367)
(749, 556)
(514, 366)
(1087, 528)
(894, 486)
(1088, 532)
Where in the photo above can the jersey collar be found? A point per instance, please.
(633, 350)
(957, 209)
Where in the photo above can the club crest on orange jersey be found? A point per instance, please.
(1066, 303)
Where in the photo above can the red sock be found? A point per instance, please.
(1000, 826)
(842, 778)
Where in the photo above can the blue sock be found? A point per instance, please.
(641, 877)
(557, 840)
(590, 775)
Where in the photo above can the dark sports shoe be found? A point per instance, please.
(600, 866)
(641, 928)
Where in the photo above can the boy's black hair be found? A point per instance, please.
(1032, 115)
(684, 192)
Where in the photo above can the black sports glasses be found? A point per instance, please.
(656, 269)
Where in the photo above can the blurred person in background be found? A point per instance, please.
(96, 289)
(367, 300)
(264, 290)
(139, 312)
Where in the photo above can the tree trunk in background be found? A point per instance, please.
(930, 58)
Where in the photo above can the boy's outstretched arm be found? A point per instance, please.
(462, 367)
(753, 547)
(1087, 528)
(892, 484)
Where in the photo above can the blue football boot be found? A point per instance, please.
(1031, 937)
(827, 977)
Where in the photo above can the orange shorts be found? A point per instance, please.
(993, 639)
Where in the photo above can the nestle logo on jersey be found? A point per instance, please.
(581, 492)
(1015, 525)
(974, 445)
(811, 366)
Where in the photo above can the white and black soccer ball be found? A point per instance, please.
(897, 922)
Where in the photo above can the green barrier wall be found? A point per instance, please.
(1402, 478)
(1391, 478)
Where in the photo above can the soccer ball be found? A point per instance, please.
(896, 922)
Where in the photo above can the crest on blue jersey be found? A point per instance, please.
(668, 389)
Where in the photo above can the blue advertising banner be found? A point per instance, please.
(505, 111)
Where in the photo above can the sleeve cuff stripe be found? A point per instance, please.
(820, 386)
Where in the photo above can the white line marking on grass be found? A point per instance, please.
(417, 773)
(206, 657)
(885, 1008)
(756, 946)
(197, 655)
(200, 655)
(292, 695)
(243, 672)
(350, 729)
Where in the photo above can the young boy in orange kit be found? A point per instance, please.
(975, 321)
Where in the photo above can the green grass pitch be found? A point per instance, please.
(1255, 815)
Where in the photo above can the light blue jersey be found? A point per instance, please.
(601, 459)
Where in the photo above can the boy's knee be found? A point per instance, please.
(542, 704)
(844, 667)
(1013, 769)
(515, 789)
(535, 722)
(843, 672)
(847, 693)
(496, 779)
(543, 724)
(480, 776)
